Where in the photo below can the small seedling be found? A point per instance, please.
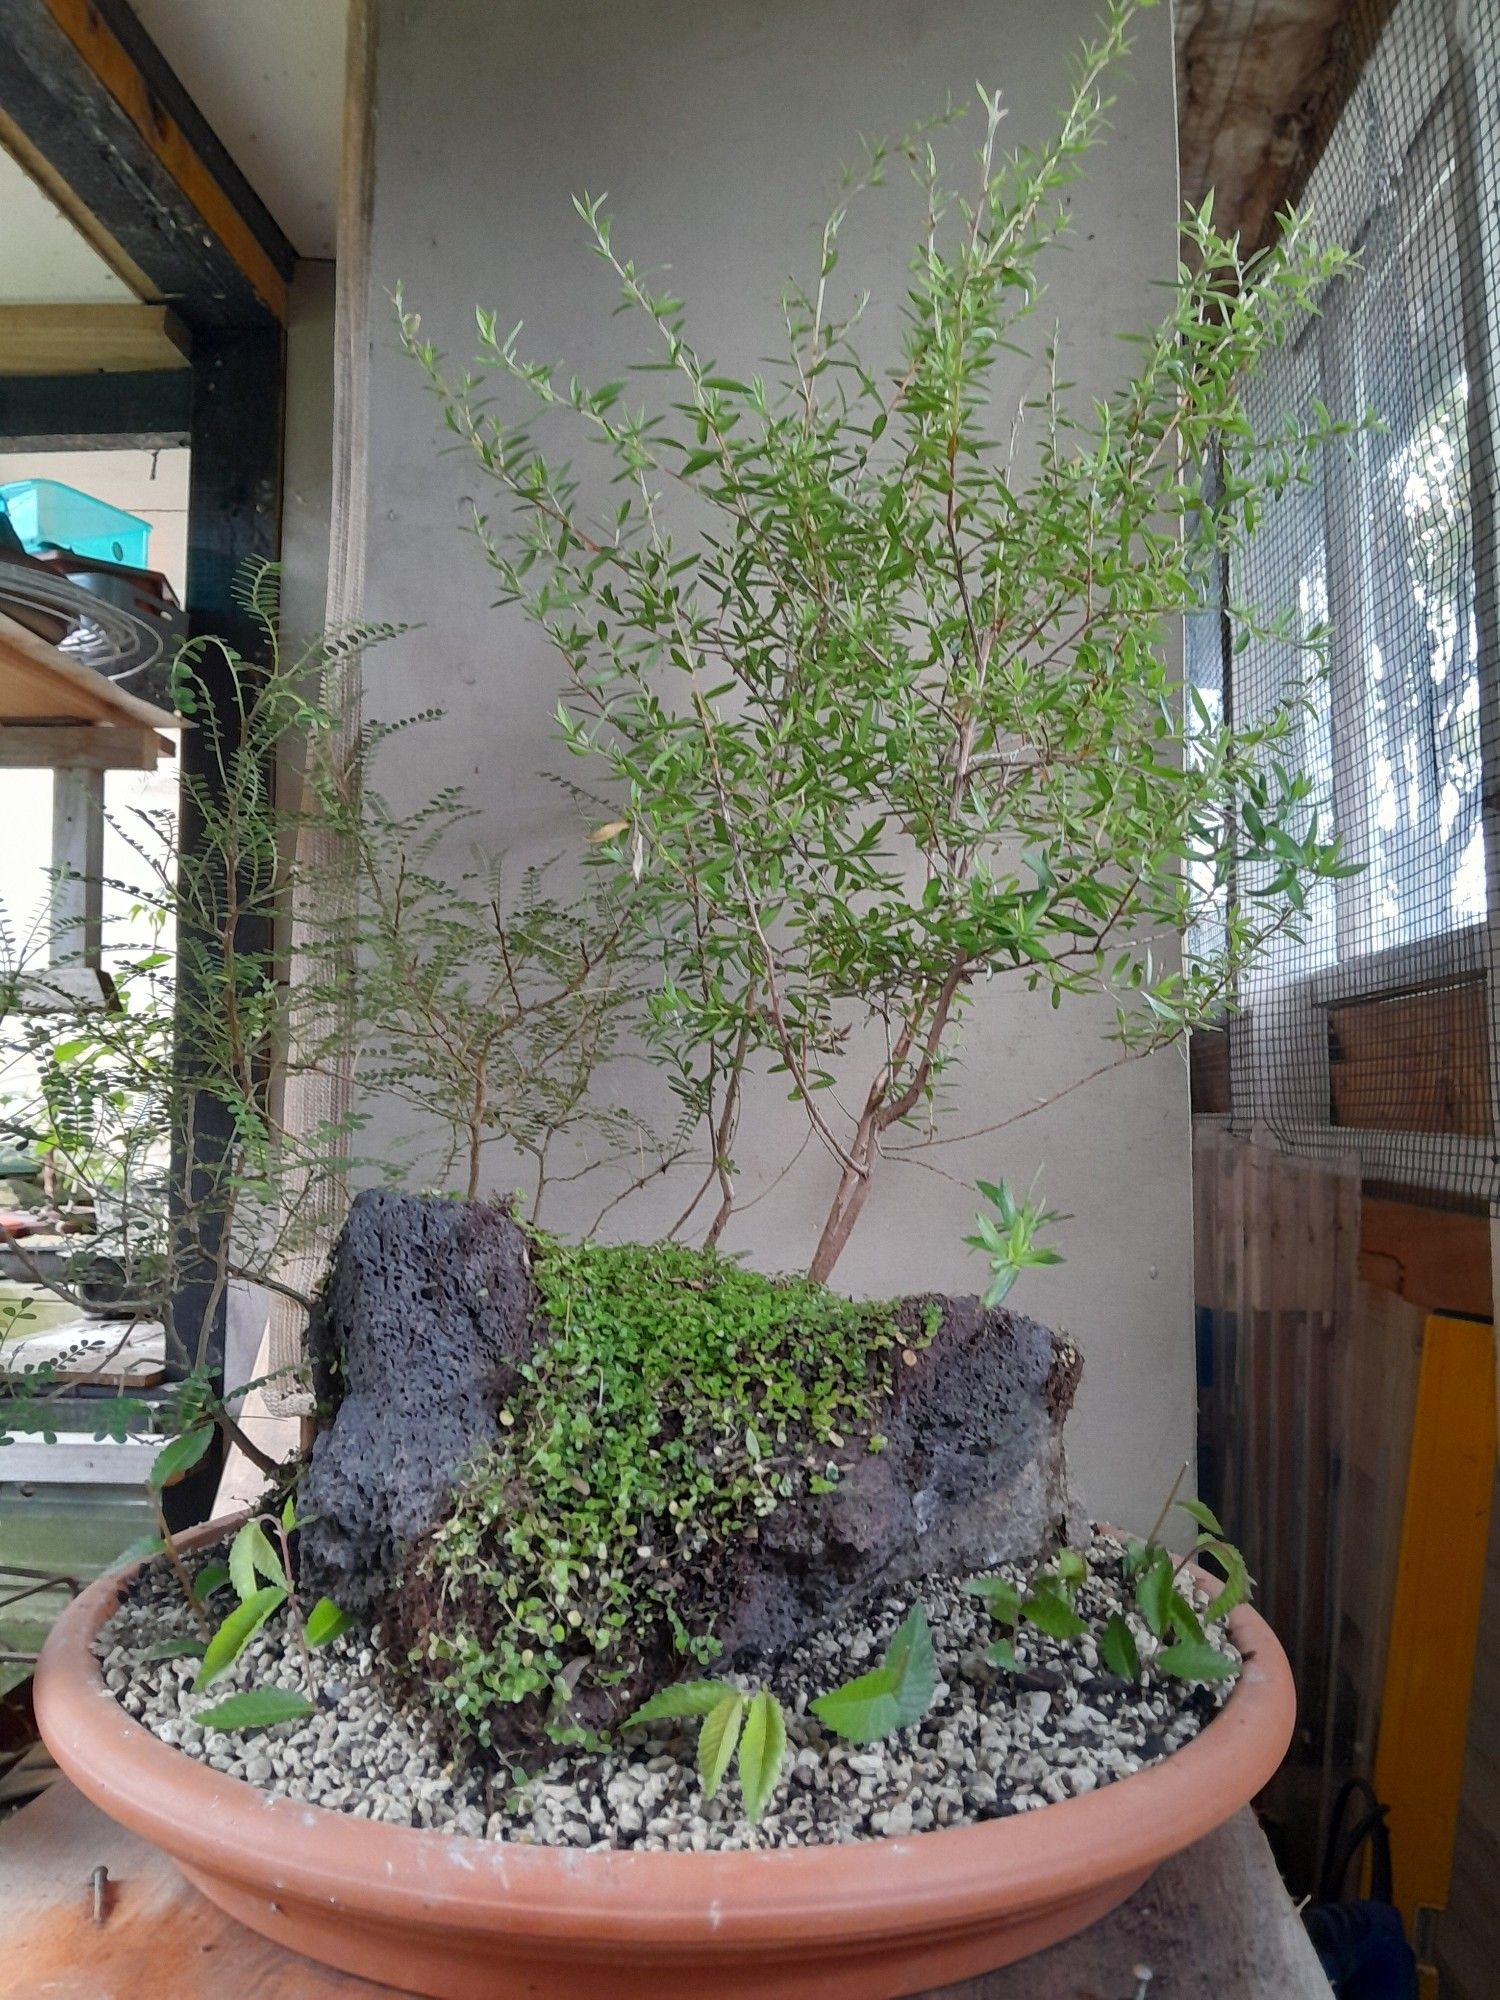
(895, 1694)
(261, 1573)
(731, 1719)
(1010, 1240)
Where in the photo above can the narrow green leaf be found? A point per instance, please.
(1154, 1593)
(213, 1576)
(256, 1708)
(762, 1748)
(173, 1649)
(246, 1619)
(1118, 1650)
(178, 1457)
(289, 1512)
(325, 1621)
(141, 1550)
(686, 1698)
(717, 1738)
(251, 1555)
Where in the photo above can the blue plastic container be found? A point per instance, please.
(47, 514)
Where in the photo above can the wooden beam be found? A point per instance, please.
(82, 746)
(86, 96)
(96, 412)
(89, 340)
(1432, 1256)
(1260, 86)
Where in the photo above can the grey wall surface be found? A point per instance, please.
(718, 132)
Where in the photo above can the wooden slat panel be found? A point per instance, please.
(1417, 1062)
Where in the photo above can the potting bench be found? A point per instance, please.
(1213, 1924)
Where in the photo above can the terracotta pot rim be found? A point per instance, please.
(886, 1885)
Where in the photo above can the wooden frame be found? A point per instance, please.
(95, 114)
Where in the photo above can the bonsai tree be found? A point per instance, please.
(876, 671)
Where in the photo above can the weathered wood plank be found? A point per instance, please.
(1213, 1924)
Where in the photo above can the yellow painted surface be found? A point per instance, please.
(1435, 1619)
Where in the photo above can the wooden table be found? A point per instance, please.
(1214, 1924)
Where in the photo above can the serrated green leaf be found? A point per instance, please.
(1051, 1613)
(289, 1512)
(1236, 1589)
(246, 1619)
(1002, 1597)
(325, 1621)
(717, 1738)
(1193, 1660)
(685, 1698)
(256, 1708)
(762, 1748)
(1002, 1654)
(1118, 1650)
(178, 1457)
(1203, 1515)
(251, 1555)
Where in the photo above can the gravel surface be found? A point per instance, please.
(990, 1745)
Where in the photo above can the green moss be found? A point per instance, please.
(679, 1398)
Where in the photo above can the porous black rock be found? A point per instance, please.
(428, 1310)
(972, 1473)
(425, 1315)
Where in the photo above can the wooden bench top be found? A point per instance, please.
(1213, 1924)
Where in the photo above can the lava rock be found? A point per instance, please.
(428, 1310)
(973, 1473)
(425, 1316)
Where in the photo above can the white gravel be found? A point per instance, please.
(990, 1744)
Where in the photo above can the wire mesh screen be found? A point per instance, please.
(1370, 1030)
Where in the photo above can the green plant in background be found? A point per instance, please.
(485, 1005)
(753, 1723)
(1010, 1240)
(873, 659)
(678, 1399)
(891, 1696)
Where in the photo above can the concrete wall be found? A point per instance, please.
(718, 132)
